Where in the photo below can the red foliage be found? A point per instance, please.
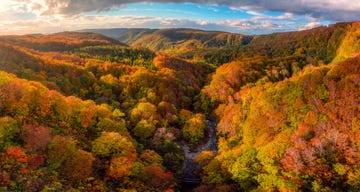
(9, 99)
(25, 171)
(17, 153)
(169, 174)
(157, 178)
(37, 138)
(36, 160)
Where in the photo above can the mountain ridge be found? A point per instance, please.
(187, 44)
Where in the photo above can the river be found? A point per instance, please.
(190, 167)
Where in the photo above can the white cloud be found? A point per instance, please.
(28, 27)
(203, 22)
(11, 11)
(35, 16)
(314, 22)
(5, 4)
(328, 9)
(255, 13)
(56, 24)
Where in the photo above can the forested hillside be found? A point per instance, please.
(81, 111)
(300, 134)
(317, 45)
(112, 111)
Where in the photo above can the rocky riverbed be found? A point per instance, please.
(209, 143)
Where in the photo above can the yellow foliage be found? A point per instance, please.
(350, 45)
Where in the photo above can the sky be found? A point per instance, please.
(19, 17)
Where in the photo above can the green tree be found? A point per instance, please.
(245, 168)
(111, 144)
(150, 157)
(144, 129)
(9, 132)
(194, 128)
(60, 150)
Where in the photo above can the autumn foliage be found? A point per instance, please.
(298, 134)
(84, 112)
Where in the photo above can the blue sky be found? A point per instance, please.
(239, 16)
(181, 11)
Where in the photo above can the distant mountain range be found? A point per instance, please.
(194, 43)
(164, 39)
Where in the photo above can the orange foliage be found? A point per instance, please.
(79, 166)
(17, 154)
(229, 78)
(300, 132)
(119, 167)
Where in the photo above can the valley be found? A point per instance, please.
(181, 109)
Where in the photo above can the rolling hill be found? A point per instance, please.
(174, 41)
(59, 41)
(318, 45)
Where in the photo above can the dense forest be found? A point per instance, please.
(81, 111)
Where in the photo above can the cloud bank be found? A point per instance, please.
(334, 10)
(255, 25)
(47, 16)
